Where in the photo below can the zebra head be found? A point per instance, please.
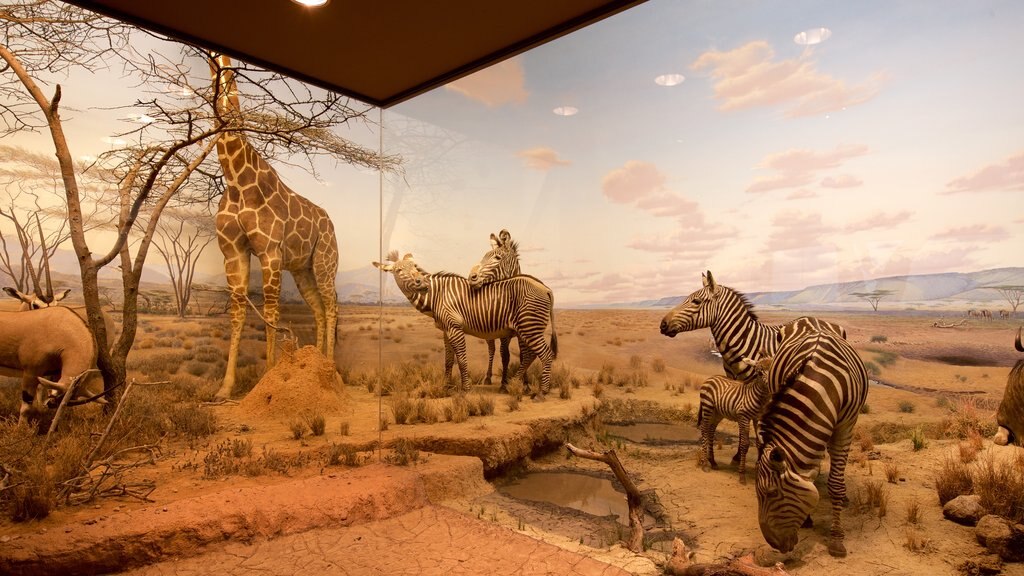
(784, 498)
(408, 275)
(500, 262)
(695, 311)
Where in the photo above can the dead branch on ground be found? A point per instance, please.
(681, 564)
(940, 324)
(633, 498)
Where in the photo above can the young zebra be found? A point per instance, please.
(821, 385)
(498, 263)
(722, 397)
(521, 305)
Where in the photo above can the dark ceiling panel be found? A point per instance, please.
(381, 52)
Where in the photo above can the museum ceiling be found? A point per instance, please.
(379, 52)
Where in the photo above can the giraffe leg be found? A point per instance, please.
(325, 268)
(271, 301)
(236, 269)
(490, 362)
(838, 451)
(306, 283)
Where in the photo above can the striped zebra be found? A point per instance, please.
(521, 306)
(722, 397)
(734, 325)
(498, 263)
(821, 384)
(737, 333)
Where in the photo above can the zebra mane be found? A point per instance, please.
(744, 301)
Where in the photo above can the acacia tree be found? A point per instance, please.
(873, 297)
(182, 236)
(1014, 295)
(169, 146)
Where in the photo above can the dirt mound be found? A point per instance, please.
(302, 380)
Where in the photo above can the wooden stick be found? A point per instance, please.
(633, 498)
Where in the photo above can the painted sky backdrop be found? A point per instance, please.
(809, 142)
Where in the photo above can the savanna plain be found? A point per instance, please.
(378, 468)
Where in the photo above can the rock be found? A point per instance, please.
(964, 510)
(981, 566)
(1001, 537)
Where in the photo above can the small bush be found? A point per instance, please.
(913, 511)
(298, 428)
(1001, 488)
(872, 368)
(457, 410)
(343, 428)
(892, 472)
(484, 405)
(403, 453)
(918, 440)
(316, 422)
(404, 410)
(952, 480)
(635, 362)
(877, 338)
(906, 406)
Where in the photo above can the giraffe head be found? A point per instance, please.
(501, 261)
(225, 88)
(408, 275)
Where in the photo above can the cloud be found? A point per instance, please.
(1005, 175)
(497, 85)
(750, 77)
(541, 158)
(796, 231)
(695, 245)
(973, 233)
(801, 167)
(841, 181)
(878, 220)
(633, 181)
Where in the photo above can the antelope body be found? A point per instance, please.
(33, 301)
(52, 346)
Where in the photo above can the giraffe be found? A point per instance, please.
(259, 215)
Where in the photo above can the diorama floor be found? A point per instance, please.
(437, 513)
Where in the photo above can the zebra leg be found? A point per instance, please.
(526, 358)
(505, 358)
(838, 451)
(490, 361)
(709, 422)
(744, 443)
(449, 360)
(458, 340)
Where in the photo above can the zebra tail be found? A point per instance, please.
(554, 335)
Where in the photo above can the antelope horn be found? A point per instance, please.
(51, 384)
(1017, 344)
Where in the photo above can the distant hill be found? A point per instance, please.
(950, 287)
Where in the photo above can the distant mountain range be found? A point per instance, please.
(952, 287)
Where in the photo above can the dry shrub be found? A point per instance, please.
(316, 422)
(913, 511)
(1001, 488)
(917, 542)
(965, 419)
(658, 365)
(343, 428)
(403, 453)
(892, 472)
(298, 428)
(426, 411)
(404, 410)
(953, 479)
(598, 390)
(457, 410)
(484, 405)
(863, 440)
(968, 452)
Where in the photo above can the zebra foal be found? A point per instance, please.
(820, 385)
(720, 398)
(522, 306)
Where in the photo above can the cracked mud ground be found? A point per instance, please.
(430, 540)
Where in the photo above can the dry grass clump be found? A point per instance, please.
(1001, 487)
(892, 472)
(953, 479)
(403, 453)
(916, 541)
(965, 419)
(515, 395)
(342, 454)
(913, 508)
(457, 410)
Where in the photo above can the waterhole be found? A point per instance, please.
(581, 492)
(664, 433)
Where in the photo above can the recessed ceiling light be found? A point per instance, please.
(812, 36)
(566, 110)
(311, 3)
(669, 79)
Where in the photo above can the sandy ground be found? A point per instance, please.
(472, 529)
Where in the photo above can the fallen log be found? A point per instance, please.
(682, 564)
(633, 498)
(953, 325)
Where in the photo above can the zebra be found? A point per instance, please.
(521, 305)
(734, 325)
(722, 397)
(736, 330)
(821, 386)
(501, 261)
